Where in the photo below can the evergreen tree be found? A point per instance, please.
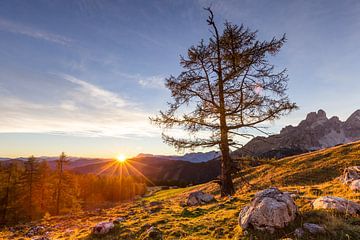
(30, 179)
(60, 164)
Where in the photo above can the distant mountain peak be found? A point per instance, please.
(189, 157)
(316, 131)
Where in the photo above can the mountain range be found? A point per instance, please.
(315, 132)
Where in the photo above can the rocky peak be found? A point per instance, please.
(314, 117)
(314, 132)
(354, 119)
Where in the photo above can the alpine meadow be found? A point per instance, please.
(179, 120)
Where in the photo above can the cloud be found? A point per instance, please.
(17, 28)
(84, 109)
(95, 92)
(152, 82)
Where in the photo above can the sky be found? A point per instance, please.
(84, 76)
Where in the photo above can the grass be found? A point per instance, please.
(309, 175)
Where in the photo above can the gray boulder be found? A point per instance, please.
(199, 198)
(337, 204)
(103, 228)
(270, 209)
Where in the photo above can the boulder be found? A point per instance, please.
(199, 198)
(270, 209)
(103, 228)
(355, 185)
(314, 228)
(337, 204)
(350, 174)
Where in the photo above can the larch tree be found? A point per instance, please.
(227, 88)
(29, 180)
(60, 177)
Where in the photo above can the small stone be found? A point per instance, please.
(299, 232)
(155, 203)
(199, 198)
(153, 234)
(355, 185)
(103, 228)
(36, 230)
(119, 220)
(314, 228)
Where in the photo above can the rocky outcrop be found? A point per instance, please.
(199, 198)
(337, 204)
(270, 209)
(313, 133)
(103, 228)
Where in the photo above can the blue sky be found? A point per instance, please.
(84, 76)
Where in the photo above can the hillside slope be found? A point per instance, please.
(160, 171)
(309, 175)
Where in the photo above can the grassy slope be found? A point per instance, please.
(309, 175)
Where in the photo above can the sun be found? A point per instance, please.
(121, 158)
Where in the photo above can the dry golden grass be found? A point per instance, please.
(309, 175)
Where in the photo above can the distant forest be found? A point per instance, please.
(30, 190)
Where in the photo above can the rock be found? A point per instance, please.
(153, 234)
(340, 205)
(293, 195)
(103, 228)
(36, 230)
(270, 209)
(199, 198)
(355, 185)
(119, 220)
(299, 232)
(314, 228)
(155, 209)
(155, 203)
(350, 174)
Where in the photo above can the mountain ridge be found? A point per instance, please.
(315, 132)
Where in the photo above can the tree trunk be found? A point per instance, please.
(227, 186)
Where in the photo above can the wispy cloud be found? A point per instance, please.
(32, 32)
(84, 110)
(96, 92)
(152, 82)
